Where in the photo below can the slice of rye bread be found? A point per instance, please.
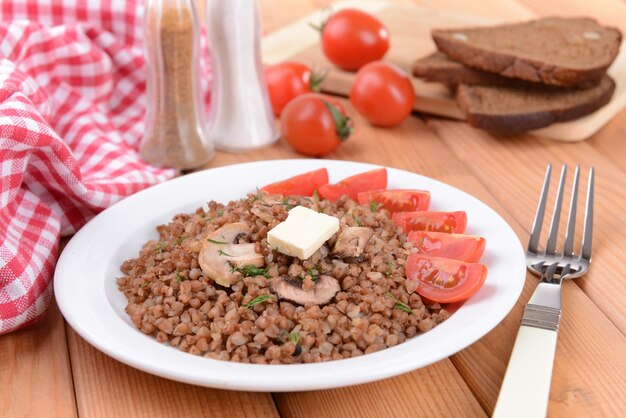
(438, 67)
(556, 51)
(520, 109)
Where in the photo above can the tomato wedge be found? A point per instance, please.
(398, 200)
(300, 185)
(450, 222)
(443, 280)
(353, 185)
(456, 246)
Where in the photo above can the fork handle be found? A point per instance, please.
(526, 387)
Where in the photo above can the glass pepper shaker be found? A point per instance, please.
(241, 117)
(175, 123)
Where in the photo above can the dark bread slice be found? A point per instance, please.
(515, 109)
(437, 67)
(556, 51)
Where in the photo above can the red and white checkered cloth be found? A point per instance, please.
(72, 84)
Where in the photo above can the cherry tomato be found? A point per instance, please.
(456, 246)
(383, 94)
(351, 186)
(399, 200)
(300, 185)
(314, 125)
(288, 80)
(352, 38)
(443, 280)
(450, 222)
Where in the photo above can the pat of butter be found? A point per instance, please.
(302, 233)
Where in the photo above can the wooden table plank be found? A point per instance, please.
(431, 391)
(35, 373)
(108, 388)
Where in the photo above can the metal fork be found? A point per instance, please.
(526, 386)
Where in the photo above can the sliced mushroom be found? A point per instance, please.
(289, 288)
(221, 252)
(351, 242)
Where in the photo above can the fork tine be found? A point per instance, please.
(568, 247)
(533, 241)
(556, 215)
(588, 228)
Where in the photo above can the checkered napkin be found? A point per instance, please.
(72, 84)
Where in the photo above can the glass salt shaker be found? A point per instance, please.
(240, 118)
(175, 122)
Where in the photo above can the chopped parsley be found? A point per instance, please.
(399, 305)
(145, 284)
(180, 277)
(257, 196)
(358, 222)
(257, 300)
(389, 271)
(251, 271)
(374, 206)
(220, 252)
(216, 242)
(220, 212)
(288, 206)
(160, 246)
(314, 273)
(294, 337)
(180, 240)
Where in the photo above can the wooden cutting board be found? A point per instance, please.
(410, 27)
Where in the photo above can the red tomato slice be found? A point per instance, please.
(450, 222)
(398, 200)
(353, 185)
(443, 280)
(300, 185)
(456, 246)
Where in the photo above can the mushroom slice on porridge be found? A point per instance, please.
(221, 253)
(351, 243)
(289, 288)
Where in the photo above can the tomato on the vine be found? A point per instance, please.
(351, 38)
(314, 124)
(383, 94)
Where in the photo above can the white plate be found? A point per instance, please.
(86, 291)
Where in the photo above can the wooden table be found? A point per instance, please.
(48, 370)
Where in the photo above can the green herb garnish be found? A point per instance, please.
(180, 240)
(180, 277)
(251, 271)
(314, 273)
(220, 212)
(145, 284)
(294, 337)
(374, 206)
(160, 246)
(257, 300)
(288, 206)
(399, 305)
(216, 242)
(220, 252)
(358, 222)
(316, 195)
(390, 269)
